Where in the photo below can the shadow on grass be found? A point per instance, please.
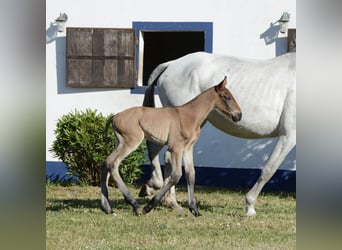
(209, 190)
(54, 204)
(67, 204)
(206, 206)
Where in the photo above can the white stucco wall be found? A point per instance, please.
(239, 28)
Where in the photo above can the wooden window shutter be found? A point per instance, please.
(100, 57)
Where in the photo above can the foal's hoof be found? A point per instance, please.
(195, 212)
(138, 211)
(147, 209)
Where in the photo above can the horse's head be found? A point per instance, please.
(226, 102)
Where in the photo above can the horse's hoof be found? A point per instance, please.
(107, 210)
(249, 208)
(179, 210)
(146, 191)
(251, 212)
(142, 192)
(172, 205)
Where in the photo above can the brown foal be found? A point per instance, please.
(176, 127)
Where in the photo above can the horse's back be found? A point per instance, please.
(207, 69)
(259, 86)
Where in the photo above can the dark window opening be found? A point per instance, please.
(162, 46)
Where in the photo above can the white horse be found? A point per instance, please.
(264, 89)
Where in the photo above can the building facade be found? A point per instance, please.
(162, 31)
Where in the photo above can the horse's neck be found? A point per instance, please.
(199, 108)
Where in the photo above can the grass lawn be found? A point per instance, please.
(74, 221)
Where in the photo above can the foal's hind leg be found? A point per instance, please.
(105, 206)
(113, 162)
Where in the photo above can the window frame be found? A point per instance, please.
(140, 27)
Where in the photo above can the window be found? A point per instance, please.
(111, 58)
(98, 57)
(164, 41)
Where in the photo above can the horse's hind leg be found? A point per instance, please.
(169, 200)
(176, 158)
(156, 181)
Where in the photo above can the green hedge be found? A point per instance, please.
(80, 144)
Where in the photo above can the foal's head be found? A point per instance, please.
(226, 103)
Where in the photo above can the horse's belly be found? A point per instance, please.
(246, 128)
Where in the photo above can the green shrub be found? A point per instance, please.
(80, 145)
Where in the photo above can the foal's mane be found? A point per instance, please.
(189, 103)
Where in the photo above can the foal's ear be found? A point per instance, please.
(222, 84)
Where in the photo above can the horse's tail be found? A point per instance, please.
(157, 72)
(109, 121)
(149, 93)
(149, 97)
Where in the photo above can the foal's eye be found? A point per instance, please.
(226, 97)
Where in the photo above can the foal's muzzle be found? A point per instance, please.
(237, 117)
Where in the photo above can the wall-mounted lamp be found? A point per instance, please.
(60, 22)
(283, 22)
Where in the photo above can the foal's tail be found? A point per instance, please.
(109, 121)
(149, 93)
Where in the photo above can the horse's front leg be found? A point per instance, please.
(283, 146)
(281, 149)
(176, 173)
(190, 178)
(169, 200)
(156, 181)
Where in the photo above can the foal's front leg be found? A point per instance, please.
(190, 178)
